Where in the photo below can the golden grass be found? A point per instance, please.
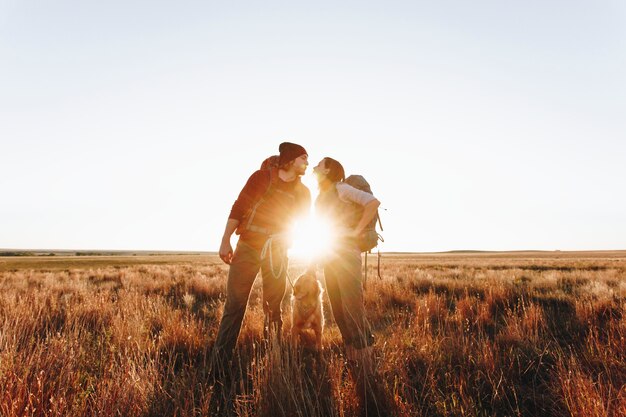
(523, 334)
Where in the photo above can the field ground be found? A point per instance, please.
(457, 334)
(54, 260)
(99, 261)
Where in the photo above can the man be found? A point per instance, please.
(261, 215)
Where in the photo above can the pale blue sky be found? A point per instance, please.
(493, 125)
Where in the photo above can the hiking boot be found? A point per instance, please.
(361, 359)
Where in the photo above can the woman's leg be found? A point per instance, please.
(332, 275)
(344, 280)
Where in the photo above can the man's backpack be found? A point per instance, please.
(270, 165)
(369, 239)
(270, 162)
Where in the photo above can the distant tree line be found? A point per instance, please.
(24, 253)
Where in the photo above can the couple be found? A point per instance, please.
(261, 215)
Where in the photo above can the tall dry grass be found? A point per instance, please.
(456, 336)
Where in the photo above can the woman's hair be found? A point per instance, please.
(335, 170)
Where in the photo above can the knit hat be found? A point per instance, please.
(289, 151)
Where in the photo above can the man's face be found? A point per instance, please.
(300, 164)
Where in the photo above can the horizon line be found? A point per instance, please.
(100, 252)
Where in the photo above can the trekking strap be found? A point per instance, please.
(378, 260)
(378, 255)
(382, 240)
(365, 279)
(379, 277)
(268, 247)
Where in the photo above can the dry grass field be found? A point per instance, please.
(458, 334)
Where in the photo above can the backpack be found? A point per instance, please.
(270, 165)
(270, 162)
(368, 240)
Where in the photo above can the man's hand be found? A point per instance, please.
(226, 252)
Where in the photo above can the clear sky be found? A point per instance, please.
(494, 125)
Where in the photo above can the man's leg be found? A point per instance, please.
(273, 293)
(243, 270)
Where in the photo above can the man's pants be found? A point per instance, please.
(344, 285)
(244, 268)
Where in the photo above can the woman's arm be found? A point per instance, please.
(369, 203)
(369, 212)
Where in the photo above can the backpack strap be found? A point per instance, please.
(249, 217)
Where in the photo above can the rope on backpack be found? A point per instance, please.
(382, 240)
(378, 266)
(267, 247)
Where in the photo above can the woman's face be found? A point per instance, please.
(320, 171)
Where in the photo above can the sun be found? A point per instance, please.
(311, 238)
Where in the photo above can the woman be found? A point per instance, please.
(349, 211)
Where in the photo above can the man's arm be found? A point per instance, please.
(226, 250)
(255, 186)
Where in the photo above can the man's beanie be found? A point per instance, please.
(289, 151)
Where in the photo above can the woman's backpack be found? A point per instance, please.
(370, 237)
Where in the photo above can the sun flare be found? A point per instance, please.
(311, 238)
